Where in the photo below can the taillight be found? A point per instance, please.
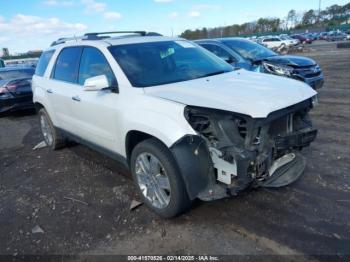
(11, 87)
(6, 90)
(3, 90)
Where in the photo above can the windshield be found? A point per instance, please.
(20, 73)
(249, 50)
(158, 63)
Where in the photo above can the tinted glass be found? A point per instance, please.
(157, 63)
(16, 73)
(249, 50)
(93, 63)
(217, 50)
(2, 64)
(66, 68)
(43, 62)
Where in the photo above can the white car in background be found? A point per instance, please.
(186, 123)
(274, 42)
(290, 41)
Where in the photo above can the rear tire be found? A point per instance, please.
(155, 159)
(52, 136)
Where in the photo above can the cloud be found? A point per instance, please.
(112, 15)
(194, 14)
(163, 1)
(58, 3)
(91, 6)
(174, 15)
(35, 26)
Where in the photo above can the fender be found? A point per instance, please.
(195, 164)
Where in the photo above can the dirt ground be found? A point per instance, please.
(309, 218)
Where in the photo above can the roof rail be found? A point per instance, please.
(101, 36)
(96, 36)
(67, 39)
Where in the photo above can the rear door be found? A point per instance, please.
(63, 86)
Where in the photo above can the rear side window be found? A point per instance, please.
(43, 62)
(67, 65)
(93, 63)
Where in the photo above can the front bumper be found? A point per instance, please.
(315, 82)
(234, 153)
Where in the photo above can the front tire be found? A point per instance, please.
(158, 180)
(52, 136)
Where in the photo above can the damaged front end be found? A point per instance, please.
(234, 151)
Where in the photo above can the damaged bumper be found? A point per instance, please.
(233, 152)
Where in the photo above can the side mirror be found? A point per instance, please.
(96, 83)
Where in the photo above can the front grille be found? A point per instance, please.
(308, 71)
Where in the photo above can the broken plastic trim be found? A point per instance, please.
(252, 146)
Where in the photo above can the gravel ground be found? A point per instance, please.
(80, 200)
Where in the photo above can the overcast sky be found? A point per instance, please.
(34, 24)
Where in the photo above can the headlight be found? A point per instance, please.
(217, 125)
(278, 70)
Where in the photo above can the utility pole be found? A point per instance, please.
(319, 10)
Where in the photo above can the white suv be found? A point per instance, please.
(185, 122)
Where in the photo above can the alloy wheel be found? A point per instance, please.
(153, 180)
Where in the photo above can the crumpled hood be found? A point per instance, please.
(291, 60)
(241, 91)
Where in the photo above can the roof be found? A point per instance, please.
(16, 68)
(222, 39)
(105, 42)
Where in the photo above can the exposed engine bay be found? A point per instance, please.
(247, 152)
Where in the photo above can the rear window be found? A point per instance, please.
(18, 73)
(43, 62)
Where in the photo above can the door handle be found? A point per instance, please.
(49, 91)
(76, 98)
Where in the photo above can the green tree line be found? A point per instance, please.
(332, 16)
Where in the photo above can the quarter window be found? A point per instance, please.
(66, 68)
(93, 63)
(43, 62)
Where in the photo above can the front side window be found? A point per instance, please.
(93, 63)
(43, 62)
(67, 63)
(217, 50)
(249, 50)
(158, 63)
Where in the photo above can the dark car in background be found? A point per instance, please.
(303, 39)
(2, 63)
(336, 36)
(243, 53)
(15, 88)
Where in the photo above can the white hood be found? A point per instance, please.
(241, 91)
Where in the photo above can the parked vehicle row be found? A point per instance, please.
(283, 41)
(186, 123)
